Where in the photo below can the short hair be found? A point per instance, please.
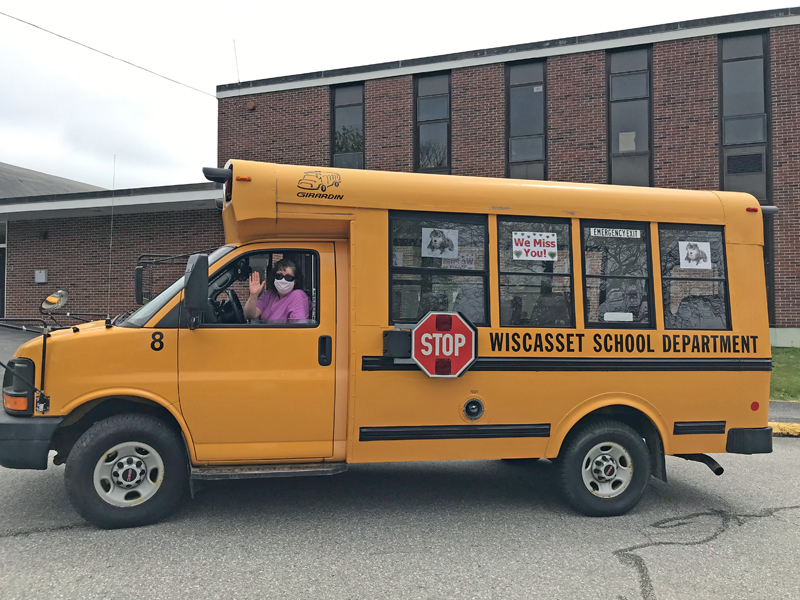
(285, 263)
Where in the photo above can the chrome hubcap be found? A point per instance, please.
(128, 474)
(607, 470)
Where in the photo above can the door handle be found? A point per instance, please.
(325, 350)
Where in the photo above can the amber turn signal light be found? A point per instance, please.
(18, 403)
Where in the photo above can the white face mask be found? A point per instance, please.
(283, 287)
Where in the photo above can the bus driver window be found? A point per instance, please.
(277, 288)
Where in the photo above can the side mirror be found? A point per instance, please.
(195, 291)
(54, 301)
(138, 274)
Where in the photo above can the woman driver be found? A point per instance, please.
(283, 303)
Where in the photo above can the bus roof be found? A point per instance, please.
(270, 192)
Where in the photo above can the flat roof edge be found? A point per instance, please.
(641, 35)
(126, 193)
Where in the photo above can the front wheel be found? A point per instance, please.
(604, 469)
(126, 471)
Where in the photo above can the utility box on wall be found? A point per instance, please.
(40, 275)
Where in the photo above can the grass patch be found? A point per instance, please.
(785, 384)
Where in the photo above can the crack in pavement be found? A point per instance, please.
(13, 534)
(724, 520)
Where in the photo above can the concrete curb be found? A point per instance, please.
(785, 429)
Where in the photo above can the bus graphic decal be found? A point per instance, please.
(319, 180)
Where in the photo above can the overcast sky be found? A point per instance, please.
(67, 111)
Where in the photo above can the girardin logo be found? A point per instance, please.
(322, 181)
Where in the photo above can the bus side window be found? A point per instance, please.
(693, 277)
(535, 271)
(617, 283)
(438, 262)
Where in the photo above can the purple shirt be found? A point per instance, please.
(295, 305)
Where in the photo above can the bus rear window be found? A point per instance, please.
(693, 277)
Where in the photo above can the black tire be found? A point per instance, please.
(105, 435)
(573, 459)
(322, 188)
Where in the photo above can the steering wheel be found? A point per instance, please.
(238, 313)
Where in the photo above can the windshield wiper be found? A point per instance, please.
(122, 316)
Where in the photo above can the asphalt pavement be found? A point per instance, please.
(784, 412)
(482, 529)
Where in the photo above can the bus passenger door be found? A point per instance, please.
(263, 390)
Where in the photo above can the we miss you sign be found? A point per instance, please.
(529, 245)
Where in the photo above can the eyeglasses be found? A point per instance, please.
(279, 276)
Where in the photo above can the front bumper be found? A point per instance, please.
(749, 441)
(25, 441)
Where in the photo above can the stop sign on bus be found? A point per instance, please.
(444, 344)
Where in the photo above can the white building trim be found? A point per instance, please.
(82, 207)
(555, 50)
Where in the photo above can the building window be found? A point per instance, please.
(432, 111)
(617, 283)
(438, 262)
(744, 115)
(535, 272)
(348, 126)
(526, 116)
(693, 277)
(629, 117)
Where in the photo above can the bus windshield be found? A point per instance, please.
(146, 312)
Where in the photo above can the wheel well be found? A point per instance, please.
(86, 415)
(635, 419)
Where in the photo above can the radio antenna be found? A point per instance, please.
(111, 236)
(236, 58)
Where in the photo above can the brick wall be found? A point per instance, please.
(478, 122)
(389, 124)
(288, 127)
(576, 118)
(685, 114)
(784, 76)
(75, 252)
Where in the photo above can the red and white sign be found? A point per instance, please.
(535, 245)
(444, 344)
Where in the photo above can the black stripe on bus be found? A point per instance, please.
(698, 427)
(380, 363)
(452, 432)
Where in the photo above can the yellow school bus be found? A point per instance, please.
(605, 326)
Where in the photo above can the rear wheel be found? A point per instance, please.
(322, 188)
(604, 469)
(126, 471)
